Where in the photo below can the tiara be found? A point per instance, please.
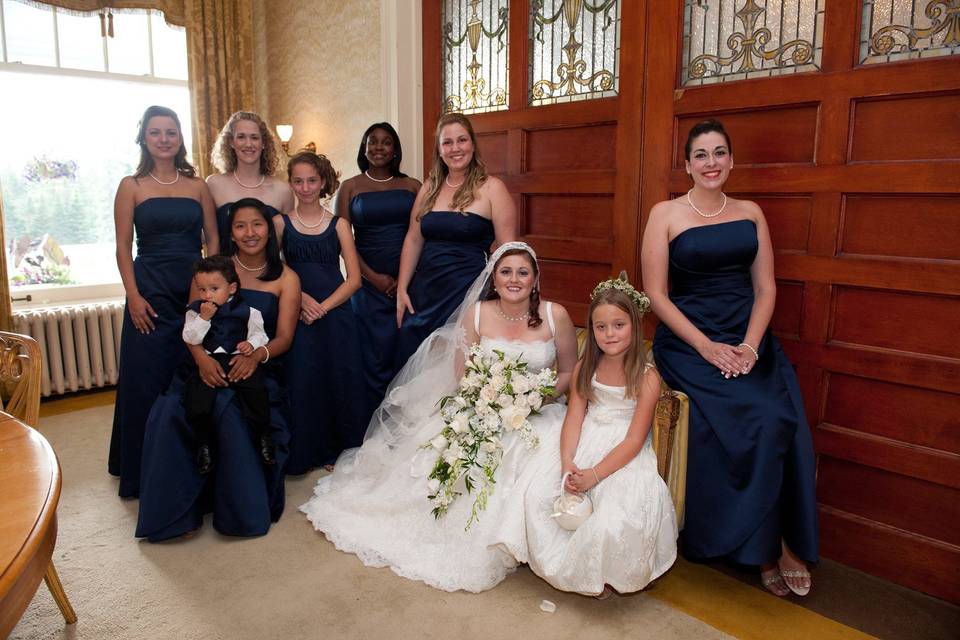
(514, 244)
(622, 284)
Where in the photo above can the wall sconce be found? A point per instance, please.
(285, 132)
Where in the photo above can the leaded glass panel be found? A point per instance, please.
(725, 40)
(574, 50)
(475, 46)
(902, 29)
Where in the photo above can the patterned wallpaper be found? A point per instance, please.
(317, 66)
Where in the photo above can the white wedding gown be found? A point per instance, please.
(375, 503)
(630, 538)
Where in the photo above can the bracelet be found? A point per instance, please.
(595, 476)
(756, 356)
(264, 361)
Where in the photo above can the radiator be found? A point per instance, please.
(79, 344)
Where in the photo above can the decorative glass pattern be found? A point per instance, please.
(902, 29)
(726, 40)
(574, 50)
(475, 45)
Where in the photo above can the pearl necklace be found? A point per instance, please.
(453, 186)
(508, 317)
(303, 224)
(367, 173)
(246, 186)
(174, 181)
(708, 215)
(251, 269)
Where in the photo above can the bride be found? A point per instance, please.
(375, 503)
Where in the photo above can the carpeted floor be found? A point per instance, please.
(292, 583)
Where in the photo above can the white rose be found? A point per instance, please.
(520, 401)
(439, 443)
(491, 422)
(492, 445)
(497, 381)
(504, 400)
(534, 401)
(488, 393)
(452, 454)
(460, 401)
(520, 383)
(433, 485)
(460, 423)
(497, 367)
(513, 418)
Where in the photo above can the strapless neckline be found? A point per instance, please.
(717, 224)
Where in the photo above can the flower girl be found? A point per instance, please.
(606, 452)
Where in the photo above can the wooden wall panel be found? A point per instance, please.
(877, 318)
(901, 412)
(493, 150)
(875, 224)
(585, 216)
(927, 127)
(788, 218)
(572, 148)
(771, 136)
(788, 313)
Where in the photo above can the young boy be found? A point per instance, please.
(225, 325)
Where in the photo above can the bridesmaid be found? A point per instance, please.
(244, 495)
(750, 468)
(245, 154)
(323, 372)
(459, 216)
(377, 202)
(172, 212)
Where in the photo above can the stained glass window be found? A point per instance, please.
(574, 50)
(475, 46)
(902, 29)
(726, 40)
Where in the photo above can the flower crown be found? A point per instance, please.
(622, 284)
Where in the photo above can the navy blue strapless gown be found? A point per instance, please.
(380, 220)
(454, 253)
(323, 374)
(244, 495)
(168, 243)
(750, 464)
(222, 212)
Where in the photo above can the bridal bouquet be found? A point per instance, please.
(496, 395)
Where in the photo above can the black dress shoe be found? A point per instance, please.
(268, 451)
(204, 460)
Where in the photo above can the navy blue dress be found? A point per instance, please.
(454, 253)
(750, 464)
(168, 232)
(244, 495)
(380, 220)
(324, 378)
(222, 213)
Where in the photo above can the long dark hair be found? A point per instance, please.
(146, 160)
(362, 161)
(533, 320)
(274, 263)
(705, 126)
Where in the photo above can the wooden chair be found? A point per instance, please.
(670, 424)
(20, 378)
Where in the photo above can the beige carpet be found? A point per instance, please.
(290, 583)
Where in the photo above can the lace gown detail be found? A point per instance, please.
(628, 541)
(375, 504)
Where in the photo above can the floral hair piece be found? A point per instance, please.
(622, 284)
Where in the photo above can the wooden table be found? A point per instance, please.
(29, 493)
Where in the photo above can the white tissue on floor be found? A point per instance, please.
(547, 606)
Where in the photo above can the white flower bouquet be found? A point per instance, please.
(496, 395)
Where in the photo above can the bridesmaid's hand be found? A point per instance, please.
(403, 306)
(727, 358)
(568, 484)
(242, 367)
(211, 372)
(141, 313)
(385, 284)
(310, 309)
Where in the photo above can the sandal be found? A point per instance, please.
(797, 580)
(772, 580)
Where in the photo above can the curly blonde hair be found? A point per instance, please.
(224, 158)
(476, 172)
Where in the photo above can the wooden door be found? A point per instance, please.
(857, 169)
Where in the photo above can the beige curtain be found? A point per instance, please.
(220, 49)
(174, 11)
(6, 321)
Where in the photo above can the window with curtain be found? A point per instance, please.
(72, 97)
